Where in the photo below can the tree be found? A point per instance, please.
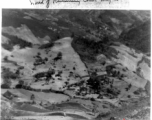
(92, 99)
(59, 54)
(41, 103)
(6, 58)
(33, 98)
(49, 75)
(38, 53)
(73, 68)
(46, 59)
(128, 88)
(58, 36)
(7, 76)
(5, 86)
(21, 82)
(58, 57)
(112, 118)
(17, 71)
(95, 82)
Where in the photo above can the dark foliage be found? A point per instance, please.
(102, 115)
(18, 86)
(38, 28)
(39, 75)
(112, 118)
(47, 45)
(14, 40)
(138, 37)
(92, 99)
(5, 86)
(94, 84)
(88, 49)
(7, 75)
(58, 57)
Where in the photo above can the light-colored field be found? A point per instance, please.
(69, 55)
(22, 32)
(70, 59)
(25, 95)
(43, 118)
(129, 58)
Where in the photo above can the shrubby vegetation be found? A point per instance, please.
(14, 40)
(58, 57)
(47, 45)
(7, 75)
(39, 60)
(103, 85)
(88, 48)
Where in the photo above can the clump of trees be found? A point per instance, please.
(33, 99)
(49, 75)
(6, 59)
(39, 60)
(88, 48)
(128, 87)
(102, 85)
(138, 91)
(94, 83)
(7, 76)
(20, 84)
(58, 57)
(47, 45)
(14, 40)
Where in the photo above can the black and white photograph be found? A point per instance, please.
(75, 64)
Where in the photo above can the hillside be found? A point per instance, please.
(75, 65)
(138, 37)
